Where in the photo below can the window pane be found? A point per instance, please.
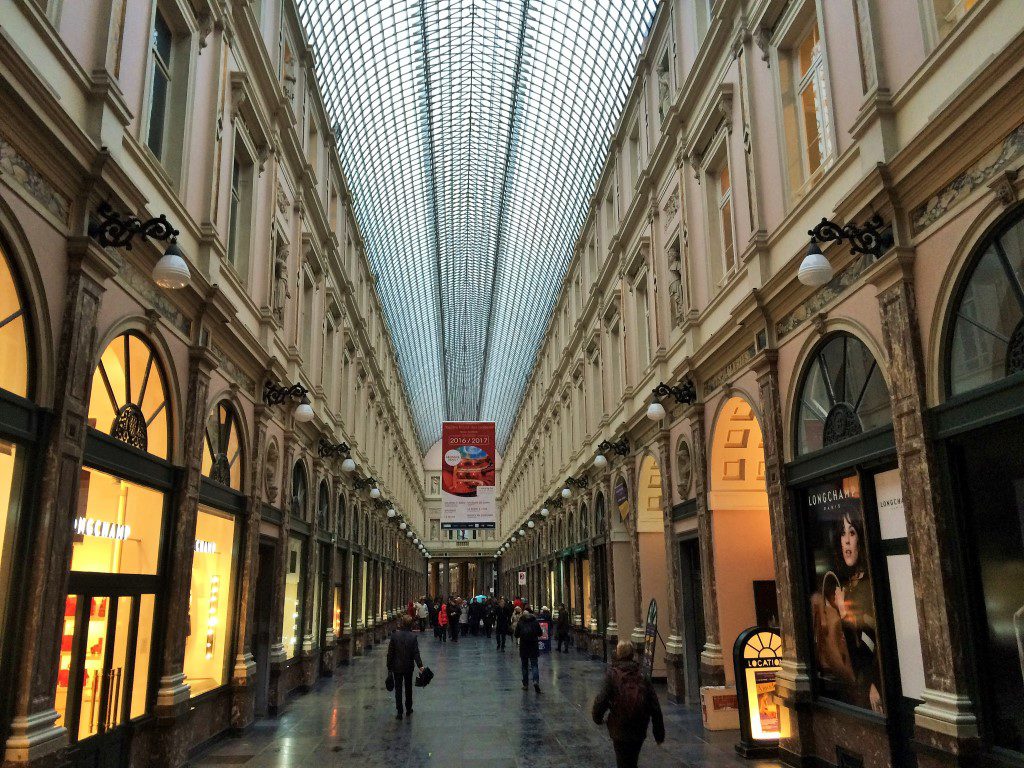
(13, 338)
(143, 651)
(118, 526)
(162, 39)
(158, 111)
(811, 107)
(208, 645)
(64, 666)
(293, 583)
(12, 467)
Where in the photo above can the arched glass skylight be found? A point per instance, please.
(471, 134)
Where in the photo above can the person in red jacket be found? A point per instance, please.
(442, 622)
(411, 609)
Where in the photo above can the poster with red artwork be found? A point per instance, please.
(467, 475)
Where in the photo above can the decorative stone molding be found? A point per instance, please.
(949, 197)
(21, 175)
(821, 298)
(734, 365)
(684, 468)
(152, 297)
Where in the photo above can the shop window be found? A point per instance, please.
(117, 527)
(222, 447)
(294, 582)
(12, 471)
(987, 340)
(843, 394)
(843, 616)
(806, 106)
(129, 396)
(208, 641)
(14, 347)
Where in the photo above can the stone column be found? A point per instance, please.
(794, 685)
(675, 646)
(946, 720)
(172, 692)
(278, 654)
(243, 697)
(637, 635)
(712, 668)
(611, 629)
(357, 601)
(34, 739)
(591, 598)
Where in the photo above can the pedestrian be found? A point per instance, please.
(490, 611)
(403, 657)
(528, 632)
(411, 609)
(562, 626)
(631, 703)
(454, 614)
(442, 622)
(422, 614)
(517, 613)
(464, 614)
(502, 622)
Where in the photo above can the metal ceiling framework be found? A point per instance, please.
(472, 133)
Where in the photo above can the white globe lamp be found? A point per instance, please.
(655, 411)
(348, 465)
(171, 271)
(815, 269)
(600, 461)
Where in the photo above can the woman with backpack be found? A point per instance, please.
(631, 703)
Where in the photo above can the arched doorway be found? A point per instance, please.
(650, 535)
(741, 531)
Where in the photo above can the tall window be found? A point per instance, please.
(806, 107)
(720, 229)
(306, 321)
(14, 373)
(725, 214)
(222, 447)
(634, 156)
(240, 212)
(643, 326)
(161, 50)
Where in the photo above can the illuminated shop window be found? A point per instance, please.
(129, 396)
(208, 641)
(291, 632)
(337, 615)
(988, 322)
(117, 526)
(12, 470)
(14, 349)
(843, 394)
(222, 447)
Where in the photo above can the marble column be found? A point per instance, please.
(611, 629)
(712, 665)
(793, 680)
(34, 738)
(947, 719)
(278, 654)
(243, 674)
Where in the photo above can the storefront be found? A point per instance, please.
(866, 664)
(979, 426)
(110, 641)
(19, 432)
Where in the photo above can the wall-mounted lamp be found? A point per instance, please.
(392, 512)
(365, 482)
(684, 393)
(116, 230)
(403, 525)
(544, 512)
(275, 394)
(530, 524)
(621, 447)
(573, 482)
(872, 239)
(328, 450)
(408, 534)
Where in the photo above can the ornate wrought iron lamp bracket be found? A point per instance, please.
(621, 447)
(328, 450)
(872, 239)
(275, 394)
(117, 230)
(684, 393)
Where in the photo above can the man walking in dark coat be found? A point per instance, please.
(529, 633)
(403, 657)
(631, 703)
(454, 614)
(562, 625)
(502, 620)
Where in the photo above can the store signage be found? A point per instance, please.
(522, 578)
(650, 639)
(206, 547)
(468, 489)
(87, 526)
(622, 498)
(757, 658)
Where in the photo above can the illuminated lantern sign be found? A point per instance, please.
(757, 658)
(87, 526)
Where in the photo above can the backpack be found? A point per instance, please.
(630, 702)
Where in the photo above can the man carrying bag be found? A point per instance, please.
(403, 658)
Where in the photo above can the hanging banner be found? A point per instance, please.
(467, 475)
(622, 498)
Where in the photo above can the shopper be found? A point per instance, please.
(517, 613)
(631, 703)
(464, 614)
(562, 626)
(422, 614)
(528, 632)
(502, 622)
(403, 657)
(490, 613)
(442, 623)
(454, 614)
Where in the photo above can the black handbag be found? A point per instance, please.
(423, 678)
(389, 682)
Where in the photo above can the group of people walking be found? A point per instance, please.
(626, 697)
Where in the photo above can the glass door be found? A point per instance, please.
(104, 670)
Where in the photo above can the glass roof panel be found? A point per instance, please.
(471, 133)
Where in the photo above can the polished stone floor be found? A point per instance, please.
(473, 715)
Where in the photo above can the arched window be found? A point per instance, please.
(222, 447)
(355, 525)
(323, 506)
(341, 515)
(584, 521)
(15, 373)
(129, 396)
(987, 331)
(300, 490)
(842, 394)
(599, 514)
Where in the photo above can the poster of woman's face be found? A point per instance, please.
(842, 603)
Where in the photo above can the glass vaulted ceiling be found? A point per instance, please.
(471, 133)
